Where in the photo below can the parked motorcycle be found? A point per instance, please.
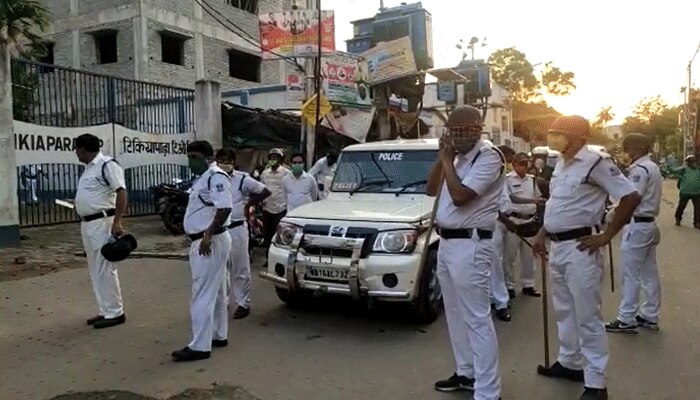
(171, 203)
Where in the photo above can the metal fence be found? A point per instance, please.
(63, 97)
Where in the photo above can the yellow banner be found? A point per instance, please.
(308, 109)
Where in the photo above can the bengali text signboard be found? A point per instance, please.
(295, 33)
(390, 60)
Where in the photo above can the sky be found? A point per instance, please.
(621, 51)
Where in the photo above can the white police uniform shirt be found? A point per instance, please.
(299, 191)
(321, 170)
(242, 186)
(94, 195)
(645, 176)
(215, 191)
(484, 176)
(524, 187)
(577, 198)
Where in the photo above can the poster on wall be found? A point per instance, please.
(345, 79)
(351, 122)
(296, 85)
(38, 144)
(294, 33)
(390, 60)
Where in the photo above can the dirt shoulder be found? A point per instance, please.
(50, 249)
(215, 393)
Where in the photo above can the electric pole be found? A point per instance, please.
(689, 133)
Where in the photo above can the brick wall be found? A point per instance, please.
(88, 6)
(244, 20)
(182, 7)
(124, 67)
(59, 8)
(63, 48)
(169, 74)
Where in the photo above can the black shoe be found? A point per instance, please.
(503, 314)
(618, 326)
(678, 222)
(645, 323)
(511, 293)
(532, 292)
(241, 312)
(219, 343)
(94, 319)
(559, 371)
(594, 394)
(455, 383)
(188, 354)
(109, 322)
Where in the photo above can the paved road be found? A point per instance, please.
(332, 351)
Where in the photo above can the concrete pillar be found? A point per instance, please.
(207, 112)
(9, 205)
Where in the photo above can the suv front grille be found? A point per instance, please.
(369, 234)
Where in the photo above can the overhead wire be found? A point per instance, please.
(241, 33)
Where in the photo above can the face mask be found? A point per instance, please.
(297, 169)
(557, 142)
(539, 163)
(227, 167)
(331, 160)
(198, 165)
(272, 163)
(464, 143)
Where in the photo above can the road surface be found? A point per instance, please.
(334, 350)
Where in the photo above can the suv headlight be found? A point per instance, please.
(286, 233)
(399, 241)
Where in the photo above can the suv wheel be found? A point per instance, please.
(428, 304)
(295, 300)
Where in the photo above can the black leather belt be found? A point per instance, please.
(235, 224)
(103, 214)
(521, 216)
(466, 233)
(570, 235)
(200, 235)
(644, 219)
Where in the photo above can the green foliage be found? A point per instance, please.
(604, 116)
(654, 118)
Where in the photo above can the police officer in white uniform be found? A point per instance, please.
(206, 223)
(247, 193)
(582, 180)
(322, 171)
(299, 187)
(499, 291)
(639, 241)
(101, 202)
(525, 195)
(473, 174)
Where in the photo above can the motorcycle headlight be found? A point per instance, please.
(286, 233)
(400, 241)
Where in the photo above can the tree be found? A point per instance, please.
(21, 21)
(604, 116)
(654, 118)
(532, 115)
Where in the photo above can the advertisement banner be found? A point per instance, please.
(38, 144)
(351, 122)
(296, 85)
(345, 79)
(390, 60)
(295, 33)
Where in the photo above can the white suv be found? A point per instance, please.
(366, 240)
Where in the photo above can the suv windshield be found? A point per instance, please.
(383, 171)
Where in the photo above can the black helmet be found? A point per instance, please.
(119, 248)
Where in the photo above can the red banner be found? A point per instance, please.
(295, 33)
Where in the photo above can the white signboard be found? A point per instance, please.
(350, 122)
(38, 144)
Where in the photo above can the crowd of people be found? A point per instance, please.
(488, 199)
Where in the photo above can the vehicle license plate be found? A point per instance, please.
(333, 274)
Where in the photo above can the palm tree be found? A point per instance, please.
(604, 116)
(21, 21)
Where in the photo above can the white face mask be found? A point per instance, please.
(539, 163)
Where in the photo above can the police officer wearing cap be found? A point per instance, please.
(100, 202)
(471, 173)
(639, 240)
(524, 193)
(581, 182)
(207, 218)
(246, 194)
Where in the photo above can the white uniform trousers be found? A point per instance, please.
(639, 268)
(238, 268)
(105, 280)
(515, 245)
(463, 270)
(208, 309)
(499, 292)
(577, 279)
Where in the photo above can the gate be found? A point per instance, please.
(53, 96)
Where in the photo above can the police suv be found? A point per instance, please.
(367, 239)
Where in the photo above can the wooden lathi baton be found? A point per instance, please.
(545, 309)
(431, 224)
